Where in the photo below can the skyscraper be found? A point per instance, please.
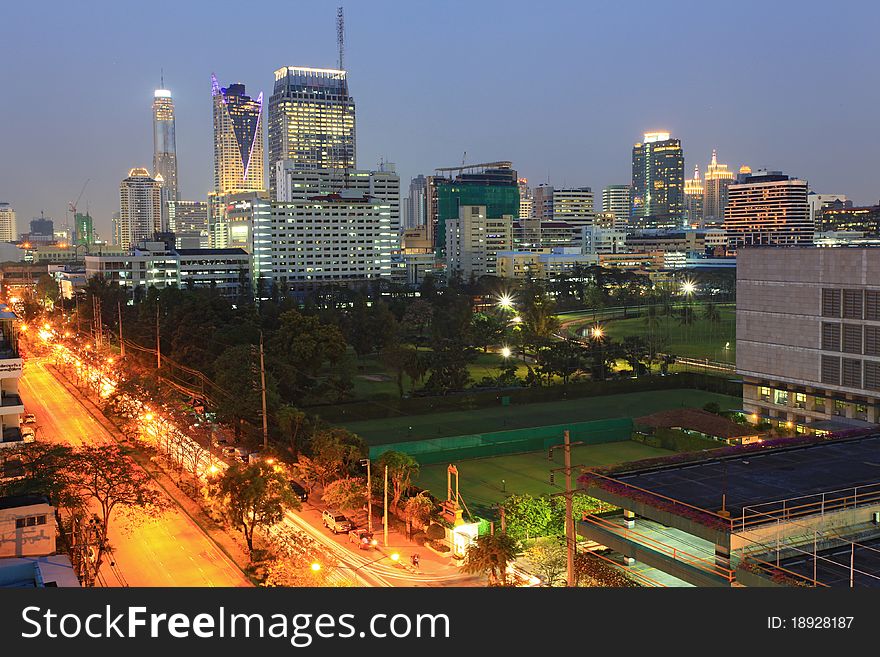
(416, 212)
(718, 179)
(657, 182)
(573, 206)
(188, 220)
(616, 200)
(165, 144)
(140, 207)
(693, 200)
(768, 209)
(8, 226)
(311, 120)
(85, 229)
(238, 140)
(525, 198)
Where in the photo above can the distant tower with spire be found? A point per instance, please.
(718, 179)
(693, 200)
(165, 147)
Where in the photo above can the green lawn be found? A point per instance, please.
(481, 485)
(498, 418)
(699, 340)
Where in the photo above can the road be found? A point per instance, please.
(170, 550)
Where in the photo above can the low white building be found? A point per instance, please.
(27, 527)
(474, 240)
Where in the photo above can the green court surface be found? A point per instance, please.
(518, 416)
(481, 479)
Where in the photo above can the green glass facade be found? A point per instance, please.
(85, 229)
(499, 199)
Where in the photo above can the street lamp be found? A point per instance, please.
(688, 288)
(505, 301)
(505, 352)
(366, 462)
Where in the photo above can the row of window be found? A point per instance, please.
(851, 338)
(30, 521)
(851, 304)
(819, 405)
(850, 372)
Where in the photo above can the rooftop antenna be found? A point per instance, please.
(161, 78)
(340, 37)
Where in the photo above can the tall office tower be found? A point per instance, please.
(574, 206)
(188, 220)
(768, 209)
(140, 208)
(693, 200)
(238, 140)
(165, 148)
(525, 198)
(717, 181)
(85, 229)
(8, 226)
(492, 184)
(311, 120)
(657, 182)
(616, 200)
(417, 210)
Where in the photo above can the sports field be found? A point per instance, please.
(519, 416)
(481, 479)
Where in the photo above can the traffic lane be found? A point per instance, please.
(169, 550)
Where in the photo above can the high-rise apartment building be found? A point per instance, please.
(85, 229)
(165, 148)
(542, 202)
(657, 182)
(474, 239)
(574, 206)
(768, 209)
(525, 198)
(718, 180)
(140, 208)
(238, 139)
(616, 199)
(693, 200)
(311, 121)
(417, 208)
(8, 225)
(493, 185)
(188, 220)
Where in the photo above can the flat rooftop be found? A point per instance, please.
(832, 566)
(759, 478)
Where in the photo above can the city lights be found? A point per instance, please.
(505, 301)
(505, 351)
(688, 288)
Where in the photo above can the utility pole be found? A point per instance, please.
(263, 388)
(385, 520)
(569, 513)
(121, 339)
(369, 497)
(158, 341)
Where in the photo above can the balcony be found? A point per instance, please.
(11, 403)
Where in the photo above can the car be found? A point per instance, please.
(363, 537)
(243, 453)
(301, 493)
(228, 451)
(28, 435)
(30, 418)
(336, 522)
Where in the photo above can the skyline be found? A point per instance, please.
(815, 108)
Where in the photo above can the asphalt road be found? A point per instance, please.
(170, 550)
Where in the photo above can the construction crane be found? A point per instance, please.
(72, 208)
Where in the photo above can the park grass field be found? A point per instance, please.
(699, 340)
(480, 480)
(518, 416)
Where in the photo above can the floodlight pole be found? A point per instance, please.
(385, 518)
(569, 512)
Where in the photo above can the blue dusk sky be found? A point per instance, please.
(562, 89)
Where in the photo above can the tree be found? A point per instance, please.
(398, 358)
(417, 320)
(548, 559)
(106, 476)
(486, 330)
(564, 357)
(635, 350)
(290, 421)
(448, 364)
(710, 312)
(254, 496)
(337, 452)
(237, 374)
(418, 509)
(527, 517)
(46, 290)
(539, 318)
(346, 494)
(401, 470)
(489, 556)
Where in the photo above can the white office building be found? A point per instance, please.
(474, 240)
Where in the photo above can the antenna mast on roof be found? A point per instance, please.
(340, 37)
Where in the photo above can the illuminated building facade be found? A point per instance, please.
(525, 198)
(416, 203)
(311, 121)
(474, 240)
(768, 209)
(693, 200)
(617, 200)
(657, 182)
(573, 206)
(188, 220)
(843, 216)
(140, 208)
(718, 180)
(8, 225)
(238, 139)
(165, 147)
(85, 229)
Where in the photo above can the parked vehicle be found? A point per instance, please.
(228, 451)
(301, 493)
(336, 522)
(30, 418)
(242, 453)
(28, 435)
(363, 538)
